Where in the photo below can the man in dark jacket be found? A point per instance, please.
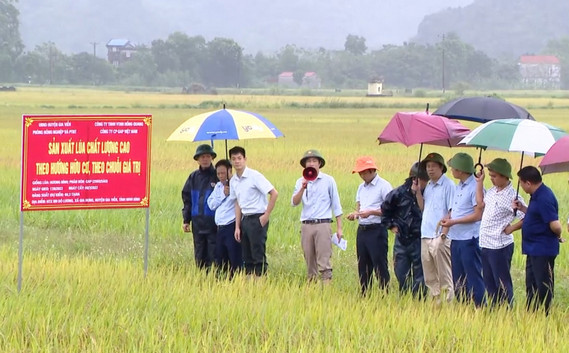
(402, 216)
(198, 217)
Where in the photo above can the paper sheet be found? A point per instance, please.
(342, 244)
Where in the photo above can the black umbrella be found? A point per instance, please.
(482, 109)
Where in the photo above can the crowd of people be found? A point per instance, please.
(451, 241)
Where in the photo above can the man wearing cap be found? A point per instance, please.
(401, 214)
(464, 229)
(541, 235)
(198, 217)
(371, 240)
(320, 200)
(435, 202)
(496, 239)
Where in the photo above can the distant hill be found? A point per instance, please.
(501, 28)
(257, 25)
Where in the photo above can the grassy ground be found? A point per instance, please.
(83, 284)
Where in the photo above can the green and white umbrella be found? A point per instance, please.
(530, 137)
(515, 135)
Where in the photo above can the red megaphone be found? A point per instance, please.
(310, 173)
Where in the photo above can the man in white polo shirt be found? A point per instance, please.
(371, 241)
(252, 211)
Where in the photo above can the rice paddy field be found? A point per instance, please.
(84, 288)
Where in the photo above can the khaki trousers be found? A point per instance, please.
(436, 261)
(317, 246)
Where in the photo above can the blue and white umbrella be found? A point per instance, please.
(225, 124)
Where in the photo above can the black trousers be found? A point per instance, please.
(253, 240)
(539, 282)
(371, 248)
(204, 247)
(228, 253)
(408, 267)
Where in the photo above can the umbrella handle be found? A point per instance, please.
(478, 165)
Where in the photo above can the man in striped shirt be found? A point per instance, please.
(496, 239)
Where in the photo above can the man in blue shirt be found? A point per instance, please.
(464, 228)
(541, 235)
(320, 201)
(435, 202)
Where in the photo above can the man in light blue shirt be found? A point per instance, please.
(464, 228)
(320, 200)
(227, 250)
(435, 202)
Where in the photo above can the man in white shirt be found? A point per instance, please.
(252, 211)
(320, 200)
(228, 255)
(371, 242)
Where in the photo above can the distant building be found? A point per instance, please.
(286, 79)
(119, 51)
(375, 88)
(540, 71)
(309, 80)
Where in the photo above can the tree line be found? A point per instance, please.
(182, 60)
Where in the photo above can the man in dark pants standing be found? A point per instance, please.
(371, 241)
(464, 231)
(402, 215)
(541, 235)
(252, 211)
(198, 217)
(228, 254)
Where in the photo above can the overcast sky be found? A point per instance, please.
(257, 25)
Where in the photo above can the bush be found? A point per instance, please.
(420, 93)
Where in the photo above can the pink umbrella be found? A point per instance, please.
(556, 159)
(412, 128)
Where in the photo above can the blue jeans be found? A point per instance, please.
(467, 270)
(496, 264)
(408, 268)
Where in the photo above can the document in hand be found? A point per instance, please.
(342, 244)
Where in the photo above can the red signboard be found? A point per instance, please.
(85, 161)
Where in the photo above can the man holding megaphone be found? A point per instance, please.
(318, 193)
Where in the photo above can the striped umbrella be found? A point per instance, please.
(225, 124)
(515, 135)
